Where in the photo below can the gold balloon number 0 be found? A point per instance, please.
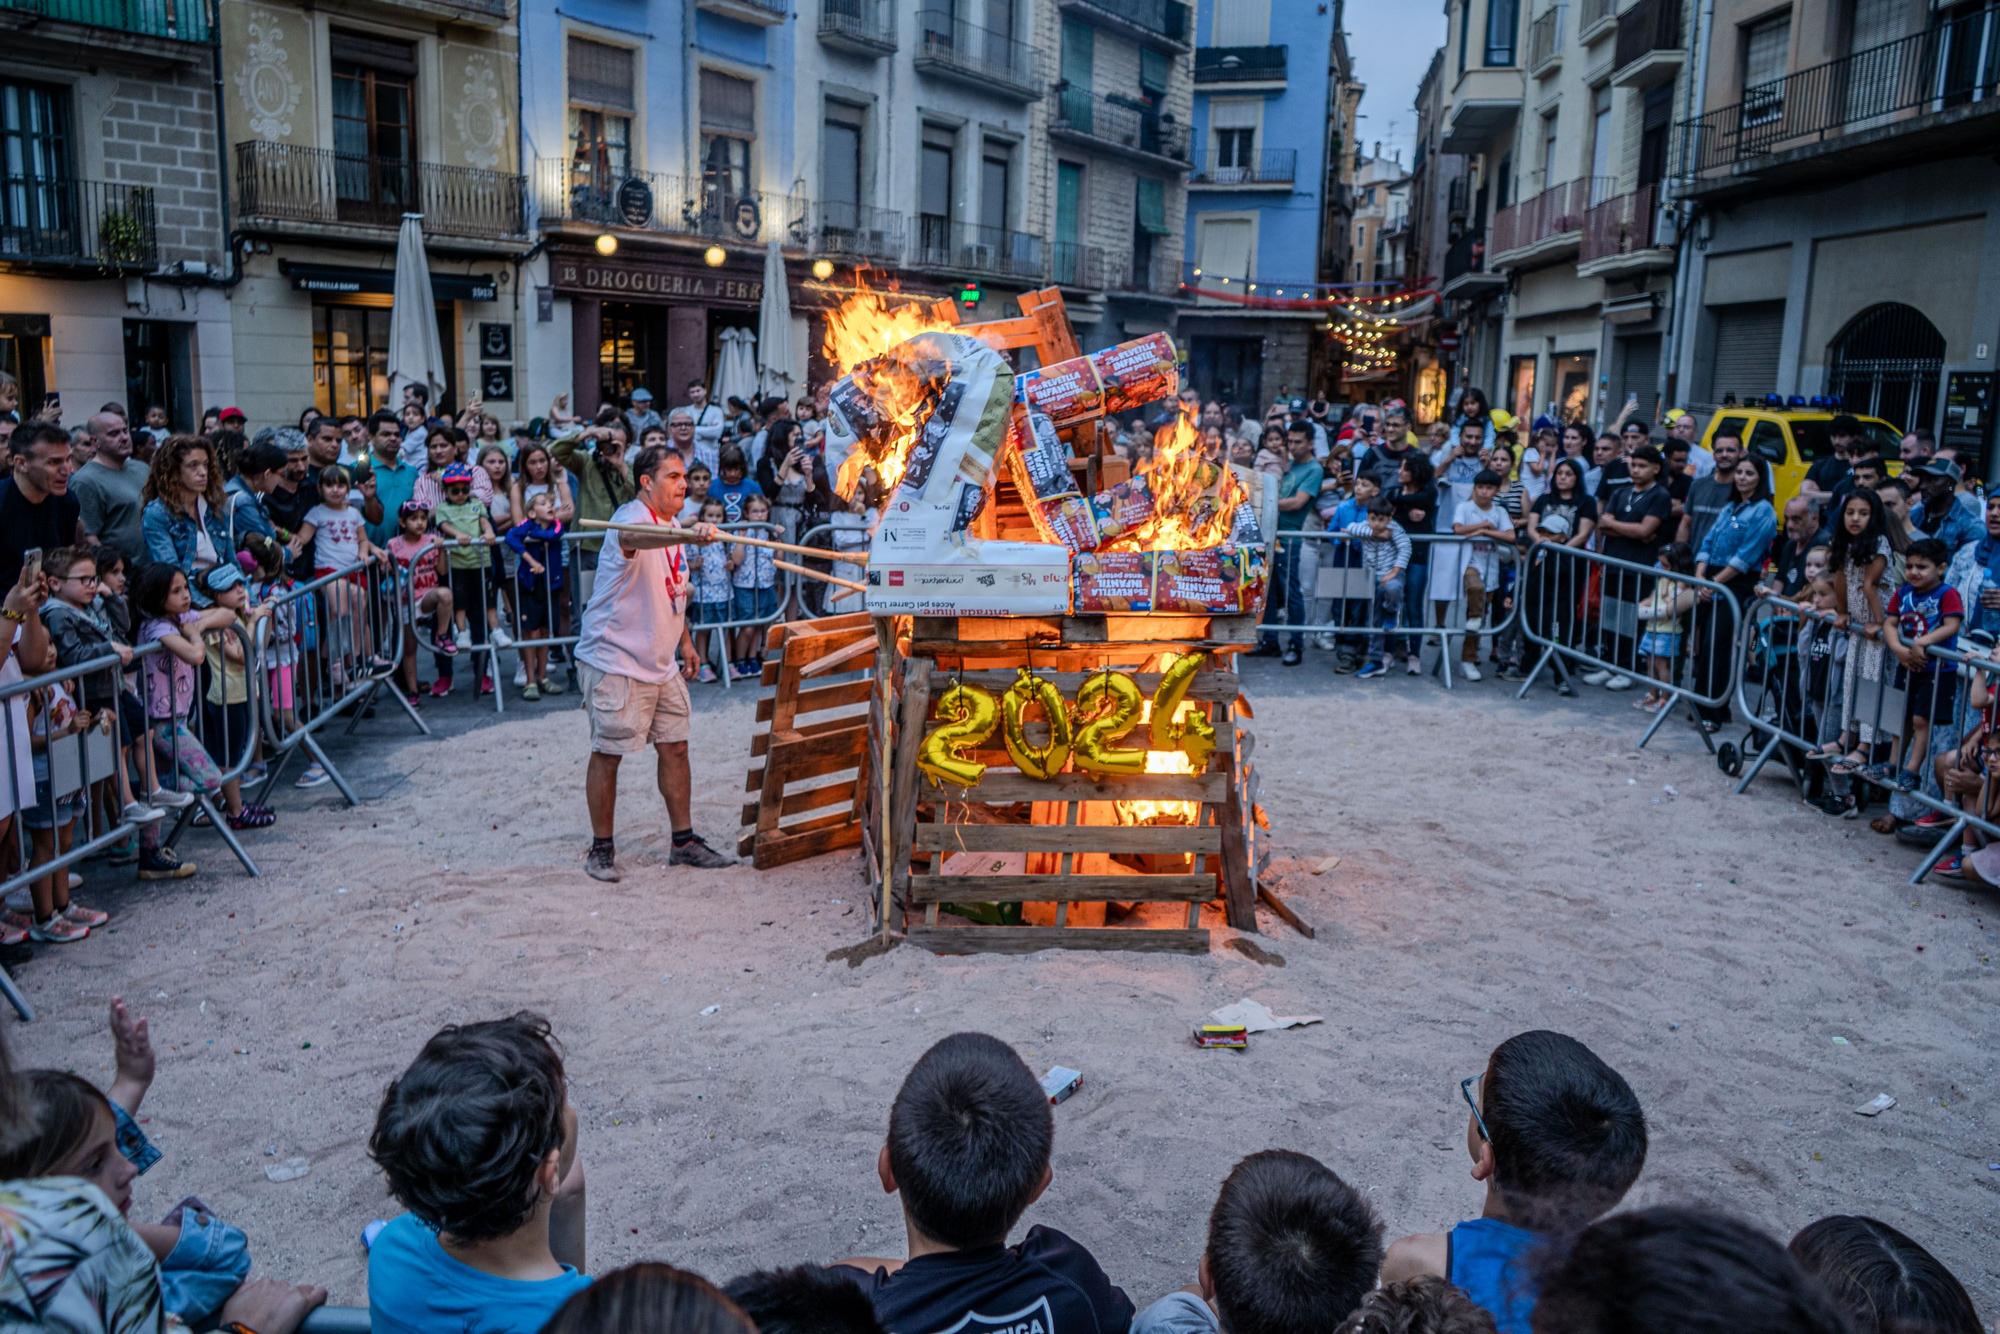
(1108, 708)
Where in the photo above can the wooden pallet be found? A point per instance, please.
(809, 757)
(1075, 860)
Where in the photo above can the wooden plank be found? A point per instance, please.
(1083, 838)
(837, 695)
(815, 757)
(1208, 686)
(817, 823)
(1239, 891)
(801, 799)
(1028, 939)
(781, 849)
(789, 735)
(914, 708)
(860, 648)
(1056, 888)
(999, 786)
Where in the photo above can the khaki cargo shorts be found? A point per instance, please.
(627, 716)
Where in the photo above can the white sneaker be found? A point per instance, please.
(138, 812)
(1597, 678)
(501, 639)
(169, 798)
(520, 676)
(1469, 672)
(75, 880)
(1617, 683)
(1326, 642)
(1475, 623)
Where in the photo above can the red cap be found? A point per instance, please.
(232, 411)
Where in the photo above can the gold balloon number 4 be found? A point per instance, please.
(1107, 709)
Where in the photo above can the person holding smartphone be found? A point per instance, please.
(37, 512)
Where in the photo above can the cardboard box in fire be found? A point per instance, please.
(922, 560)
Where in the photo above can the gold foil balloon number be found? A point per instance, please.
(1029, 690)
(1193, 735)
(1110, 703)
(969, 715)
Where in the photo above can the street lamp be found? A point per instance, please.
(822, 269)
(607, 244)
(715, 256)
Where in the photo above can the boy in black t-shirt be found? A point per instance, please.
(1636, 521)
(968, 1151)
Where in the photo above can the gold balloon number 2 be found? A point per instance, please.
(1107, 709)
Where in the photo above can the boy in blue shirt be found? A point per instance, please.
(479, 1142)
(1558, 1138)
(1925, 612)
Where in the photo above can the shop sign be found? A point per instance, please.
(635, 202)
(595, 277)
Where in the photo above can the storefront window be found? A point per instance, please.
(351, 356)
(1521, 387)
(1573, 385)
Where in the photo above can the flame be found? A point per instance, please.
(1161, 762)
(867, 337)
(1194, 497)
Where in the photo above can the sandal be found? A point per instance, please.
(1850, 763)
(253, 817)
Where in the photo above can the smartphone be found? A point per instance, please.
(52, 403)
(31, 562)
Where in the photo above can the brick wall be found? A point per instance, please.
(162, 135)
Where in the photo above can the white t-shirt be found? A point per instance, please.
(1483, 554)
(204, 545)
(17, 789)
(638, 609)
(1531, 485)
(709, 421)
(336, 536)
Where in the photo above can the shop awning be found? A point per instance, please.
(340, 279)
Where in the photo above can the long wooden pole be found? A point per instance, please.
(823, 578)
(680, 534)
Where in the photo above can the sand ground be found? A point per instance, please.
(1755, 969)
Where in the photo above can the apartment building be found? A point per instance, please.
(1439, 198)
(1381, 222)
(342, 117)
(1844, 210)
(111, 228)
(1270, 198)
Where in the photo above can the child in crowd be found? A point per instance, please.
(654, 1299)
(338, 536)
(735, 488)
(968, 1151)
(271, 586)
(804, 1300)
(708, 572)
(1810, 700)
(461, 520)
(698, 477)
(1558, 1138)
(478, 1141)
(1343, 502)
(537, 541)
(753, 575)
(1924, 612)
(1424, 1305)
(1886, 1283)
(225, 714)
(418, 554)
(54, 721)
(1860, 558)
(80, 633)
(850, 535)
(1662, 613)
(1965, 772)
(1290, 1247)
(1385, 550)
(1479, 517)
(164, 607)
(501, 560)
(1682, 1270)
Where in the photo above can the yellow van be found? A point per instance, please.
(1791, 440)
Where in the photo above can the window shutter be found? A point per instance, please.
(1153, 206)
(1235, 114)
(1153, 70)
(600, 75)
(727, 102)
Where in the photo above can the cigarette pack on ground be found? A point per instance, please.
(1121, 508)
(1060, 1082)
(1198, 581)
(1107, 581)
(1222, 1037)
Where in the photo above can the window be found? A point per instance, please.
(1503, 21)
(1549, 150)
(1600, 144)
(374, 127)
(600, 120)
(1571, 372)
(1149, 224)
(996, 181)
(937, 194)
(1765, 45)
(1223, 248)
(1232, 128)
(350, 358)
(34, 153)
(728, 128)
(1000, 17)
(1521, 386)
(1464, 32)
(840, 165)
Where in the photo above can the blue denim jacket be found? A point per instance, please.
(170, 535)
(1959, 525)
(246, 512)
(1741, 537)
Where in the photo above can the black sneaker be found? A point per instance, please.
(1266, 649)
(695, 852)
(1345, 666)
(601, 864)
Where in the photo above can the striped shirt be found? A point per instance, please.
(1382, 555)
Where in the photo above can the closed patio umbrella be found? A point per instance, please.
(415, 357)
(735, 367)
(777, 372)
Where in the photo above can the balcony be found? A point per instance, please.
(856, 231)
(952, 48)
(1083, 118)
(1545, 50)
(1544, 227)
(693, 207)
(1621, 237)
(1165, 25)
(762, 13)
(70, 224)
(1239, 65)
(1485, 103)
(1930, 95)
(170, 30)
(1595, 18)
(1649, 47)
(1272, 169)
(1465, 274)
(1140, 276)
(963, 248)
(1080, 268)
(858, 27)
(284, 184)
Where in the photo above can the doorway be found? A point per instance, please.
(633, 352)
(1230, 370)
(157, 371)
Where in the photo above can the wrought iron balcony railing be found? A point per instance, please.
(286, 183)
(1272, 166)
(991, 60)
(68, 223)
(175, 20)
(1081, 113)
(995, 252)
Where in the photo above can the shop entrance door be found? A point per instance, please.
(633, 352)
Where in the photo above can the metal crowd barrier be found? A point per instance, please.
(1339, 595)
(1584, 607)
(328, 639)
(1823, 693)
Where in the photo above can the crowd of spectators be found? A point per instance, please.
(479, 1144)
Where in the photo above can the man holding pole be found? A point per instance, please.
(635, 654)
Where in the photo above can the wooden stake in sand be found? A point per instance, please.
(679, 534)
